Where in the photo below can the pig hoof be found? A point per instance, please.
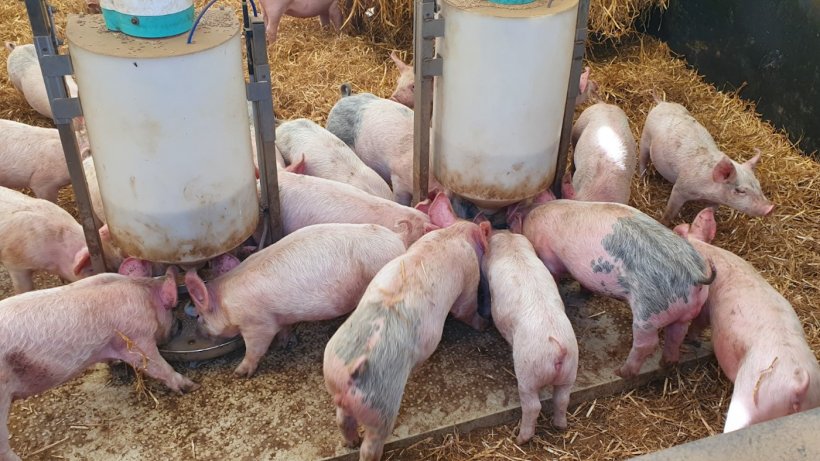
(560, 423)
(189, 386)
(522, 439)
(244, 370)
(624, 373)
(352, 443)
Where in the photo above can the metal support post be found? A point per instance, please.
(425, 29)
(572, 92)
(259, 93)
(54, 67)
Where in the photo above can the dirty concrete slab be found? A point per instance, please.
(284, 411)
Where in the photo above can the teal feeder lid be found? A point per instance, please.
(511, 2)
(144, 26)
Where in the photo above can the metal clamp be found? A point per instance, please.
(426, 27)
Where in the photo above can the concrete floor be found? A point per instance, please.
(285, 413)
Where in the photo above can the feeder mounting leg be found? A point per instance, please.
(572, 92)
(259, 93)
(64, 108)
(426, 27)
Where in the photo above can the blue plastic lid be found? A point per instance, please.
(511, 2)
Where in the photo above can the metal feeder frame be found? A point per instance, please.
(55, 66)
(428, 64)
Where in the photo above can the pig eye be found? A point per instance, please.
(740, 191)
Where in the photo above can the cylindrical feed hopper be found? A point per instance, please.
(168, 127)
(498, 106)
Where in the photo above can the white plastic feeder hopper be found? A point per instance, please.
(498, 106)
(168, 126)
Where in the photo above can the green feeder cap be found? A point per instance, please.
(511, 2)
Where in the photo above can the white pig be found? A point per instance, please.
(603, 156)
(39, 235)
(398, 324)
(685, 154)
(316, 273)
(33, 157)
(326, 156)
(25, 74)
(51, 336)
(758, 340)
(528, 311)
(327, 10)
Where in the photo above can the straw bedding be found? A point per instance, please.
(308, 65)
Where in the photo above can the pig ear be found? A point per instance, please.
(544, 197)
(704, 226)
(424, 206)
(168, 293)
(135, 267)
(752, 162)
(105, 233)
(223, 264)
(724, 171)
(81, 259)
(399, 63)
(567, 190)
(582, 86)
(430, 227)
(682, 230)
(441, 211)
(483, 234)
(199, 294)
(10, 46)
(298, 166)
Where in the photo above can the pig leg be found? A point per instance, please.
(324, 19)
(272, 19)
(257, 342)
(283, 338)
(21, 280)
(674, 335)
(336, 17)
(347, 424)
(46, 191)
(530, 408)
(373, 443)
(643, 156)
(5, 406)
(560, 403)
(676, 200)
(644, 342)
(144, 356)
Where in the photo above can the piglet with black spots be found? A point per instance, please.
(617, 251)
(528, 311)
(398, 324)
(51, 336)
(758, 340)
(316, 273)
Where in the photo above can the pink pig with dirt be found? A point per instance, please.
(759, 342)
(102, 318)
(398, 324)
(603, 156)
(616, 251)
(528, 311)
(316, 273)
(684, 153)
(38, 235)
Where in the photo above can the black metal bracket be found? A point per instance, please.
(64, 108)
(259, 94)
(426, 27)
(572, 91)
